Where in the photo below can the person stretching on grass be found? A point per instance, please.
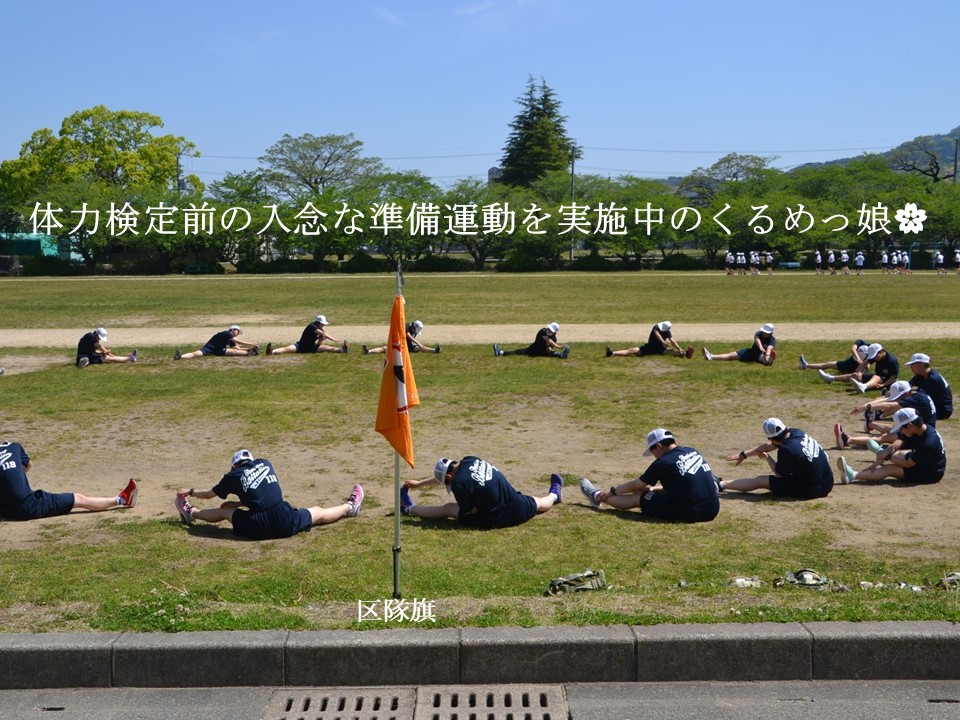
(483, 496)
(312, 340)
(678, 486)
(916, 456)
(18, 501)
(762, 351)
(223, 343)
(660, 342)
(261, 513)
(802, 469)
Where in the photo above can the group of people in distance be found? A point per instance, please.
(739, 264)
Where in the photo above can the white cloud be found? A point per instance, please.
(390, 17)
(474, 9)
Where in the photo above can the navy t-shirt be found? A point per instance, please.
(255, 483)
(14, 487)
(684, 475)
(539, 346)
(88, 344)
(802, 459)
(653, 340)
(309, 339)
(928, 454)
(221, 341)
(478, 484)
(888, 367)
(923, 404)
(936, 386)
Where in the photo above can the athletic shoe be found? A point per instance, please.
(565, 353)
(83, 363)
(609, 352)
(184, 508)
(177, 354)
(827, 377)
(862, 387)
(500, 351)
(590, 491)
(133, 355)
(270, 348)
(556, 486)
(128, 496)
(847, 473)
(840, 435)
(689, 353)
(707, 355)
(496, 350)
(803, 363)
(355, 501)
(718, 481)
(345, 347)
(2, 370)
(255, 350)
(366, 350)
(867, 418)
(405, 501)
(437, 348)
(874, 446)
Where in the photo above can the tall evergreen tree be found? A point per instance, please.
(538, 141)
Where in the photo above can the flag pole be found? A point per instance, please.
(396, 489)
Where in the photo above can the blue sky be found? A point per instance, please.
(649, 88)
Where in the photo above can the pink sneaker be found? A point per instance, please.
(355, 501)
(185, 509)
(128, 496)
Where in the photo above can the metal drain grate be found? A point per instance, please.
(342, 704)
(491, 702)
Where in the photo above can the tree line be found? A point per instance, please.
(102, 159)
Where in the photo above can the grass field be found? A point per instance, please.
(177, 424)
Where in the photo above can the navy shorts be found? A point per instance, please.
(750, 354)
(792, 487)
(94, 359)
(661, 505)
(915, 475)
(848, 366)
(211, 350)
(306, 348)
(41, 504)
(652, 349)
(522, 508)
(280, 521)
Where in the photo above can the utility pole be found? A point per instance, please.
(573, 162)
(956, 146)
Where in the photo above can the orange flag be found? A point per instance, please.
(398, 389)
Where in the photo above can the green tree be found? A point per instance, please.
(538, 141)
(100, 159)
(296, 168)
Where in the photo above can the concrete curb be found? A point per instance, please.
(725, 652)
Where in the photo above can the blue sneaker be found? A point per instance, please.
(133, 355)
(556, 486)
(405, 501)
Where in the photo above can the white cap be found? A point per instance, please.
(440, 471)
(241, 456)
(898, 390)
(553, 327)
(237, 328)
(322, 319)
(773, 427)
(903, 417)
(418, 325)
(919, 357)
(664, 326)
(873, 350)
(767, 328)
(656, 436)
(101, 333)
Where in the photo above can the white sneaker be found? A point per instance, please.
(590, 491)
(803, 363)
(706, 354)
(862, 387)
(827, 377)
(847, 473)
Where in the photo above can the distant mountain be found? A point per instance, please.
(942, 147)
